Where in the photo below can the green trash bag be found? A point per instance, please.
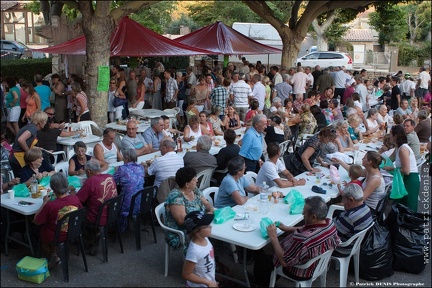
(296, 201)
(264, 223)
(398, 187)
(45, 181)
(224, 214)
(74, 181)
(21, 190)
(386, 162)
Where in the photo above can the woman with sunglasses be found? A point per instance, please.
(113, 112)
(302, 160)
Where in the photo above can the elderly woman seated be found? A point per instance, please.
(51, 211)
(77, 161)
(232, 189)
(35, 165)
(194, 130)
(130, 177)
(181, 201)
(372, 123)
(343, 138)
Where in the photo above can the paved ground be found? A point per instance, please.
(145, 268)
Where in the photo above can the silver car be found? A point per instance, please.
(326, 59)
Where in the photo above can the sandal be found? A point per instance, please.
(54, 262)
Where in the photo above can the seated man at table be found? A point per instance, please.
(232, 189)
(135, 141)
(167, 165)
(270, 170)
(318, 235)
(154, 135)
(230, 151)
(97, 189)
(106, 152)
(202, 159)
(356, 217)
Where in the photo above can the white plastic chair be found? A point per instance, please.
(251, 176)
(205, 177)
(283, 147)
(55, 155)
(62, 166)
(355, 252)
(87, 127)
(89, 152)
(320, 271)
(208, 194)
(160, 214)
(358, 156)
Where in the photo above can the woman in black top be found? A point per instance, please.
(319, 116)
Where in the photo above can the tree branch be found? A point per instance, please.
(294, 14)
(102, 8)
(131, 7)
(85, 7)
(329, 20)
(263, 10)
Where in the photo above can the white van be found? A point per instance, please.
(326, 59)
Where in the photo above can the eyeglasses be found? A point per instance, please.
(113, 82)
(50, 114)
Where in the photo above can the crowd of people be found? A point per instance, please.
(275, 105)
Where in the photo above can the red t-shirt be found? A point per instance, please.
(95, 191)
(54, 211)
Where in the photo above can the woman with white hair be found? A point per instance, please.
(343, 139)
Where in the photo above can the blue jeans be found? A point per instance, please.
(251, 165)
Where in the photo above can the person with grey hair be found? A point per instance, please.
(106, 151)
(283, 89)
(154, 135)
(252, 142)
(324, 81)
(215, 119)
(97, 189)
(300, 245)
(201, 159)
(50, 212)
(356, 217)
(423, 128)
(383, 116)
(130, 178)
(132, 140)
(232, 190)
(165, 166)
(240, 94)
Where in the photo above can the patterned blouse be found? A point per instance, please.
(176, 197)
(308, 123)
(130, 177)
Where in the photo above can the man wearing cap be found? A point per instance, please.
(283, 90)
(240, 92)
(356, 217)
(407, 87)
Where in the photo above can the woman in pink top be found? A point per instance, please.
(80, 103)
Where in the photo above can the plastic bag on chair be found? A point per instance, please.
(376, 254)
(408, 238)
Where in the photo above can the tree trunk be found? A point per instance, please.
(291, 47)
(322, 44)
(97, 31)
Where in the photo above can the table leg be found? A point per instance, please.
(7, 232)
(9, 237)
(246, 283)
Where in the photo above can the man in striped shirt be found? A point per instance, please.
(318, 235)
(219, 96)
(240, 92)
(356, 217)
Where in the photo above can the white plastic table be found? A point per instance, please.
(150, 113)
(122, 127)
(68, 142)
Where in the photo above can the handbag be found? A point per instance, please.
(118, 102)
(398, 188)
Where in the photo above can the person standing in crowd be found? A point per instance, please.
(43, 91)
(423, 80)
(395, 93)
(33, 101)
(219, 96)
(131, 88)
(60, 98)
(82, 112)
(12, 104)
(171, 91)
(240, 92)
(252, 142)
(156, 91)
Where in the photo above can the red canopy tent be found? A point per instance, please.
(221, 39)
(130, 39)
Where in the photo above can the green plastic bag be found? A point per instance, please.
(386, 162)
(264, 223)
(110, 170)
(224, 214)
(21, 190)
(296, 201)
(398, 187)
(45, 181)
(74, 181)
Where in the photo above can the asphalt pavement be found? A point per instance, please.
(145, 268)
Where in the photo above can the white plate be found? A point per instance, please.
(244, 227)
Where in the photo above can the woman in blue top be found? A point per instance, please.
(12, 105)
(232, 189)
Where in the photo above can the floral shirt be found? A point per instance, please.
(176, 197)
(130, 177)
(328, 114)
(308, 123)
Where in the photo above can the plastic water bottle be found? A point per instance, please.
(264, 203)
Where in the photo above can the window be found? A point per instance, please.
(311, 56)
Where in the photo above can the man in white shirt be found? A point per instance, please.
(165, 166)
(300, 82)
(148, 83)
(361, 89)
(240, 92)
(407, 87)
(258, 90)
(424, 81)
(270, 170)
(308, 72)
(383, 116)
(191, 81)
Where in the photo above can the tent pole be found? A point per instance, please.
(225, 63)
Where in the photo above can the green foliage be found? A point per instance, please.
(33, 6)
(156, 17)
(184, 20)
(207, 12)
(389, 21)
(26, 68)
(409, 53)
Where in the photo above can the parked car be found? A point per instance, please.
(326, 59)
(14, 50)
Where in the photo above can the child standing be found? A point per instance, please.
(199, 267)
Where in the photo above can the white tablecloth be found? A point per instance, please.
(68, 142)
(150, 113)
(122, 127)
